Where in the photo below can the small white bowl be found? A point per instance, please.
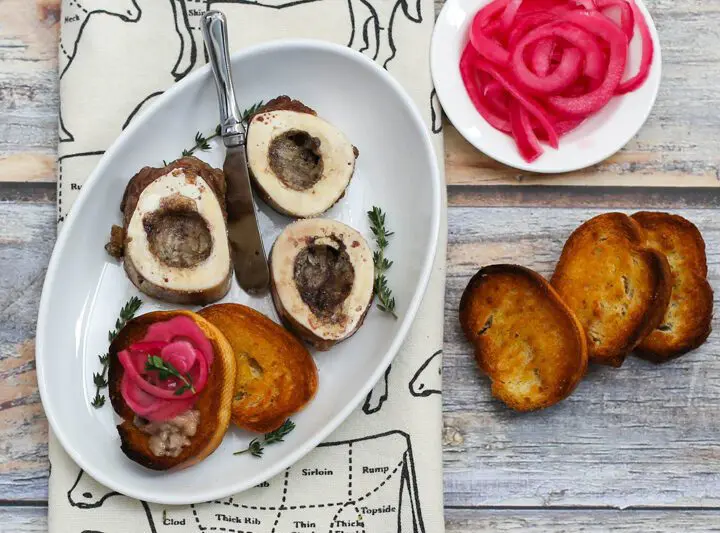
(595, 140)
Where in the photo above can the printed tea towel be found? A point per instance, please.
(381, 471)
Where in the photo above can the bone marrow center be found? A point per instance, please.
(324, 276)
(295, 159)
(178, 238)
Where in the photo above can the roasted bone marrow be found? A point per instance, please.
(321, 274)
(174, 235)
(300, 164)
(171, 379)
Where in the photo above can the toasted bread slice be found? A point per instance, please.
(618, 288)
(526, 339)
(214, 401)
(276, 375)
(687, 322)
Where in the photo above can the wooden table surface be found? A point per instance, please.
(633, 449)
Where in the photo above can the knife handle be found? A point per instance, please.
(214, 28)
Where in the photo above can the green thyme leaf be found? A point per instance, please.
(279, 433)
(202, 142)
(256, 447)
(100, 378)
(385, 299)
(250, 111)
(98, 401)
(166, 370)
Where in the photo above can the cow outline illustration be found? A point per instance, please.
(87, 12)
(428, 373)
(87, 495)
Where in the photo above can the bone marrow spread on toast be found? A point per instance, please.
(321, 274)
(171, 380)
(300, 164)
(174, 235)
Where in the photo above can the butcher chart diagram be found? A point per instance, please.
(376, 473)
(380, 488)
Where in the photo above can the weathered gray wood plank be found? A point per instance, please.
(588, 521)
(659, 198)
(27, 234)
(28, 89)
(639, 435)
(20, 519)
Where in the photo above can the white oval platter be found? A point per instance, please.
(85, 288)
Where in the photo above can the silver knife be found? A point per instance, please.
(246, 247)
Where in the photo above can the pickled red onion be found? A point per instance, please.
(497, 97)
(536, 69)
(526, 101)
(472, 85)
(562, 77)
(627, 17)
(168, 330)
(150, 407)
(526, 23)
(648, 51)
(181, 355)
(164, 389)
(481, 41)
(180, 343)
(509, 13)
(542, 56)
(588, 103)
(524, 135)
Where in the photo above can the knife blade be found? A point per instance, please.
(246, 247)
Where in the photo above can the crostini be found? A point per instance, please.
(276, 375)
(171, 379)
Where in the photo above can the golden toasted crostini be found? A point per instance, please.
(687, 321)
(617, 286)
(526, 339)
(276, 375)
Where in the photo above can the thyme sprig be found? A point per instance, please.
(100, 378)
(385, 299)
(165, 369)
(202, 142)
(256, 446)
(126, 313)
(250, 111)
